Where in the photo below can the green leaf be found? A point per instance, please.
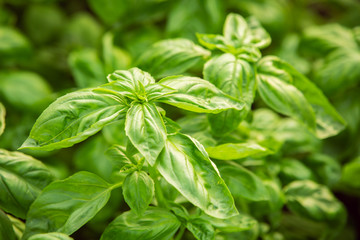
(198, 95)
(18, 226)
(64, 206)
(121, 159)
(6, 228)
(134, 79)
(155, 223)
(232, 151)
(293, 169)
(109, 11)
(311, 200)
(21, 180)
(13, 45)
(138, 191)
(240, 222)
(114, 57)
(2, 118)
(235, 77)
(339, 72)
(244, 183)
(201, 229)
(155, 91)
(350, 173)
(146, 130)
(86, 68)
(25, 90)
(170, 57)
(185, 165)
(328, 121)
(74, 117)
(245, 32)
(278, 93)
(50, 236)
(323, 39)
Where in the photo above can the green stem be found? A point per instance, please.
(181, 232)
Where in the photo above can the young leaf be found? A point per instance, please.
(86, 68)
(174, 56)
(232, 151)
(50, 236)
(146, 130)
(235, 77)
(236, 223)
(155, 91)
(21, 180)
(155, 223)
(74, 117)
(197, 95)
(201, 229)
(133, 80)
(328, 121)
(283, 97)
(314, 201)
(138, 191)
(244, 183)
(185, 165)
(6, 228)
(2, 118)
(64, 206)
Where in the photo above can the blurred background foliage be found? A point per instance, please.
(51, 47)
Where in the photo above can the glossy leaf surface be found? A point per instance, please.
(155, 223)
(232, 151)
(21, 180)
(185, 165)
(146, 130)
(74, 117)
(197, 95)
(138, 191)
(64, 206)
(50, 236)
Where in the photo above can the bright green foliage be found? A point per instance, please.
(67, 205)
(185, 165)
(155, 223)
(138, 190)
(211, 132)
(22, 179)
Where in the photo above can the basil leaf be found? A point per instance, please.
(350, 173)
(185, 165)
(64, 206)
(155, 223)
(18, 226)
(6, 228)
(340, 71)
(50, 236)
(197, 95)
(2, 118)
(235, 77)
(109, 11)
(146, 130)
(74, 117)
(232, 151)
(174, 56)
(120, 158)
(213, 41)
(155, 91)
(311, 200)
(201, 229)
(283, 97)
(245, 32)
(21, 180)
(138, 191)
(321, 40)
(244, 183)
(86, 68)
(25, 90)
(236, 223)
(13, 45)
(328, 121)
(134, 79)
